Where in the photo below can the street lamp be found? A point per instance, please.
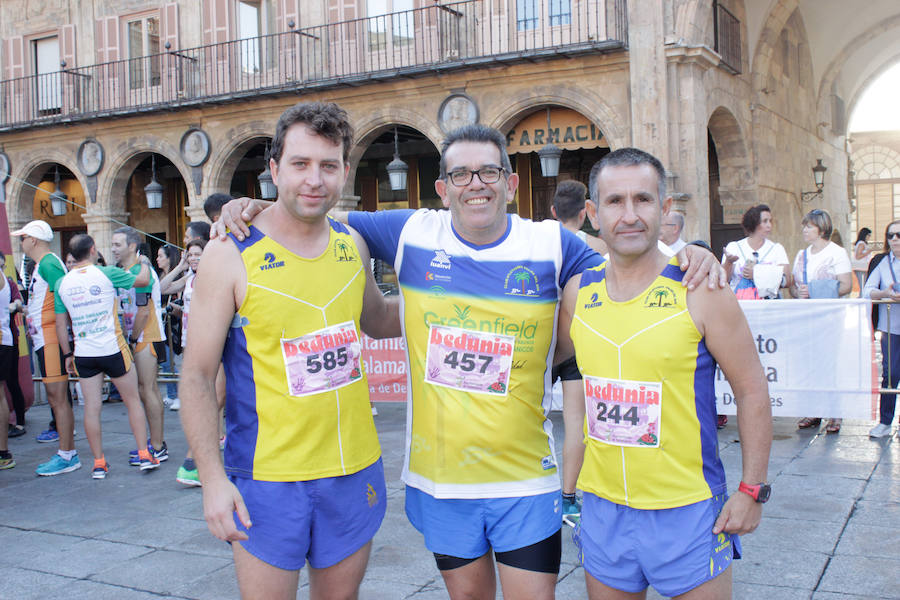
(397, 169)
(267, 187)
(819, 178)
(153, 190)
(549, 154)
(58, 199)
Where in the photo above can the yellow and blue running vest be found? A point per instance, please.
(297, 403)
(650, 427)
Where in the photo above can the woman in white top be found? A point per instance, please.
(756, 249)
(819, 262)
(862, 254)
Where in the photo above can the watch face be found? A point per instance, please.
(765, 490)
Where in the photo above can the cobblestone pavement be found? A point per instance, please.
(831, 530)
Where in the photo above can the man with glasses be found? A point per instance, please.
(480, 289)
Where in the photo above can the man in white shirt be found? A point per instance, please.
(670, 231)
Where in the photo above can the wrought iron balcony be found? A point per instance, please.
(727, 31)
(418, 42)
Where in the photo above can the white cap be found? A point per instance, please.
(39, 230)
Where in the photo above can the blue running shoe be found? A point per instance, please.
(571, 512)
(48, 435)
(133, 458)
(58, 465)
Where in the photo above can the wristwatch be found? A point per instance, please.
(759, 492)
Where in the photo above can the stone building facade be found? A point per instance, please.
(738, 99)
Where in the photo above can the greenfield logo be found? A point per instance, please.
(462, 317)
(437, 291)
(521, 281)
(343, 252)
(662, 296)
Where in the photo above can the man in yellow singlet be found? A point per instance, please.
(656, 510)
(282, 309)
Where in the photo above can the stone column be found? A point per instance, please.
(687, 68)
(195, 213)
(347, 203)
(648, 78)
(100, 227)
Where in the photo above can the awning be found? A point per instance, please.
(570, 130)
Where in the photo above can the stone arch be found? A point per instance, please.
(223, 162)
(765, 47)
(380, 121)
(834, 68)
(111, 192)
(694, 22)
(731, 147)
(864, 86)
(29, 175)
(598, 112)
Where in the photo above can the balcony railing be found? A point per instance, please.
(727, 31)
(423, 41)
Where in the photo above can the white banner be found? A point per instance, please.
(818, 357)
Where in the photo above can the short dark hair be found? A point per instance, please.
(80, 246)
(821, 220)
(569, 199)
(200, 229)
(753, 217)
(213, 204)
(475, 133)
(628, 157)
(326, 119)
(131, 237)
(201, 242)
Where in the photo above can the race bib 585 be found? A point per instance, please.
(323, 360)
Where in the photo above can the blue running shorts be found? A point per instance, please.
(322, 520)
(673, 549)
(468, 528)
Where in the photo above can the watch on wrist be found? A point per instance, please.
(759, 492)
(67, 355)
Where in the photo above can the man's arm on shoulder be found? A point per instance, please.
(700, 264)
(724, 327)
(234, 217)
(380, 316)
(220, 285)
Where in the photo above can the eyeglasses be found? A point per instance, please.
(893, 235)
(463, 177)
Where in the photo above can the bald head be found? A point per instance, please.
(672, 225)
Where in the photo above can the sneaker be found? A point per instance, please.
(147, 461)
(175, 404)
(15, 431)
(879, 431)
(58, 465)
(134, 460)
(48, 435)
(7, 463)
(721, 421)
(162, 455)
(101, 468)
(189, 478)
(571, 512)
